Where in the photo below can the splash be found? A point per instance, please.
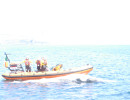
(81, 78)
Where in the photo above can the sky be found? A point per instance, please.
(66, 22)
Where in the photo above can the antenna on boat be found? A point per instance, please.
(6, 53)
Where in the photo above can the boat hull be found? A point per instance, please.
(48, 74)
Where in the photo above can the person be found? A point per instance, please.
(43, 64)
(27, 64)
(38, 64)
(57, 68)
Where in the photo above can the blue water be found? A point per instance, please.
(109, 80)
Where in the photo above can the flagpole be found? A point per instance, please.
(7, 60)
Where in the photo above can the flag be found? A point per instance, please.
(6, 64)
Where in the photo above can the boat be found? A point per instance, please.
(20, 75)
(17, 71)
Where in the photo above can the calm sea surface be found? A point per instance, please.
(109, 80)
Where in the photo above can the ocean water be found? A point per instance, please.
(109, 80)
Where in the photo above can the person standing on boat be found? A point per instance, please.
(43, 66)
(27, 64)
(38, 62)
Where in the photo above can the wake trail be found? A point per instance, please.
(77, 78)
